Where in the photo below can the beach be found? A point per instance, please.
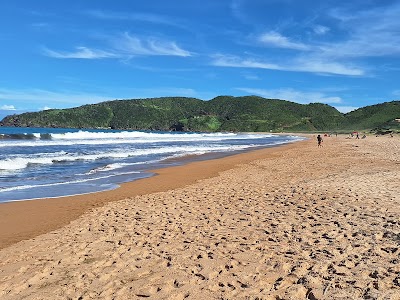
(289, 222)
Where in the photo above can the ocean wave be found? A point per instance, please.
(21, 162)
(89, 135)
(108, 168)
(115, 166)
(124, 137)
(79, 181)
(96, 161)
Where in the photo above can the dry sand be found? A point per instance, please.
(295, 222)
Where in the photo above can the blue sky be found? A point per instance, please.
(60, 54)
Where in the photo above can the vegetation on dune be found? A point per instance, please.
(223, 113)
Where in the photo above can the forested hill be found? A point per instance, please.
(223, 113)
(384, 116)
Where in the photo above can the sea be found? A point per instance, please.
(54, 162)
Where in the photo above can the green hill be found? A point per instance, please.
(223, 113)
(375, 117)
(251, 113)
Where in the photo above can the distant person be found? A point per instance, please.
(319, 140)
(357, 136)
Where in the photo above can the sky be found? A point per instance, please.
(62, 54)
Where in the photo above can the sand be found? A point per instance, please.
(294, 222)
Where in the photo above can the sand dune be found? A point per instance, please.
(301, 223)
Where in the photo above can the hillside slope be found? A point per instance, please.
(378, 117)
(223, 113)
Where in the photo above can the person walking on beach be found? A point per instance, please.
(319, 140)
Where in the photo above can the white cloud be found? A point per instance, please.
(131, 45)
(140, 93)
(237, 62)
(373, 32)
(7, 107)
(359, 33)
(40, 96)
(36, 99)
(365, 33)
(320, 30)
(396, 93)
(81, 52)
(275, 39)
(298, 65)
(123, 47)
(293, 95)
(321, 65)
(237, 11)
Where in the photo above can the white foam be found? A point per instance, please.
(21, 162)
(126, 137)
(25, 187)
(13, 164)
(88, 135)
(107, 168)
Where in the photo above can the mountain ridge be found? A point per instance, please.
(222, 113)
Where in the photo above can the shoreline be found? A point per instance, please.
(65, 166)
(42, 215)
(292, 222)
(167, 163)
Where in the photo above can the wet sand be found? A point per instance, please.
(21, 220)
(293, 222)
